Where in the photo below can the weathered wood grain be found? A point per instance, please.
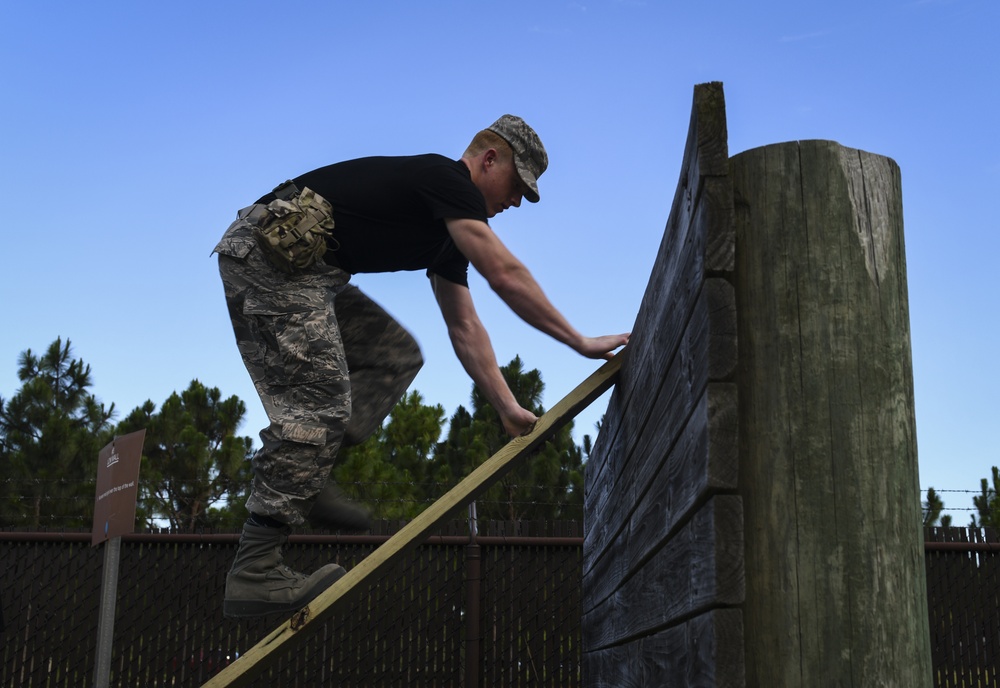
(658, 318)
(688, 338)
(664, 415)
(686, 328)
(655, 349)
(703, 652)
(835, 583)
(721, 320)
(662, 502)
(701, 567)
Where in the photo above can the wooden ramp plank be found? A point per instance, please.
(289, 635)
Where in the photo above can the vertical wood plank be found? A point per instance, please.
(663, 549)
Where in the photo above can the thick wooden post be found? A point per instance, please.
(835, 582)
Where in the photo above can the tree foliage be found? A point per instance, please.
(548, 485)
(194, 473)
(987, 503)
(932, 510)
(389, 471)
(403, 467)
(51, 432)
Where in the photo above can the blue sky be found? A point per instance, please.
(132, 132)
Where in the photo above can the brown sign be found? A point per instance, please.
(117, 487)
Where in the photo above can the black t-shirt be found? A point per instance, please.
(389, 212)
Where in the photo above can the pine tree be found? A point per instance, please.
(194, 472)
(987, 503)
(548, 485)
(932, 510)
(51, 432)
(390, 470)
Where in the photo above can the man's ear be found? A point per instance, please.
(490, 157)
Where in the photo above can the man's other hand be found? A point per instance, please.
(602, 347)
(519, 422)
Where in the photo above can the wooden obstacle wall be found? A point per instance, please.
(753, 505)
(663, 552)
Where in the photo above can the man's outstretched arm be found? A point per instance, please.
(513, 283)
(475, 351)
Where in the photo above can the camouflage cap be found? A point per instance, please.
(530, 157)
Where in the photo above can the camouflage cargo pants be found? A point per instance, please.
(328, 364)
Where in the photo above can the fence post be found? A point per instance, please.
(835, 581)
(106, 620)
(473, 586)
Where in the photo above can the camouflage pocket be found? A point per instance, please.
(303, 343)
(237, 242)
(293, 231)
(235, 247)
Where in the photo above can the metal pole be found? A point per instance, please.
(473, 574)
(106, 622)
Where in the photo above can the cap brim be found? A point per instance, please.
(530, 183)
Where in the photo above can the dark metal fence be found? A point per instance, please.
(514, 595)
(963, 594)
(504, 612)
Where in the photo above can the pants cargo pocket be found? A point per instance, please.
(302, 341)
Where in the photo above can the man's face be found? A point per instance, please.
(501, 186)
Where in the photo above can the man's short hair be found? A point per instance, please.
(485, 140)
